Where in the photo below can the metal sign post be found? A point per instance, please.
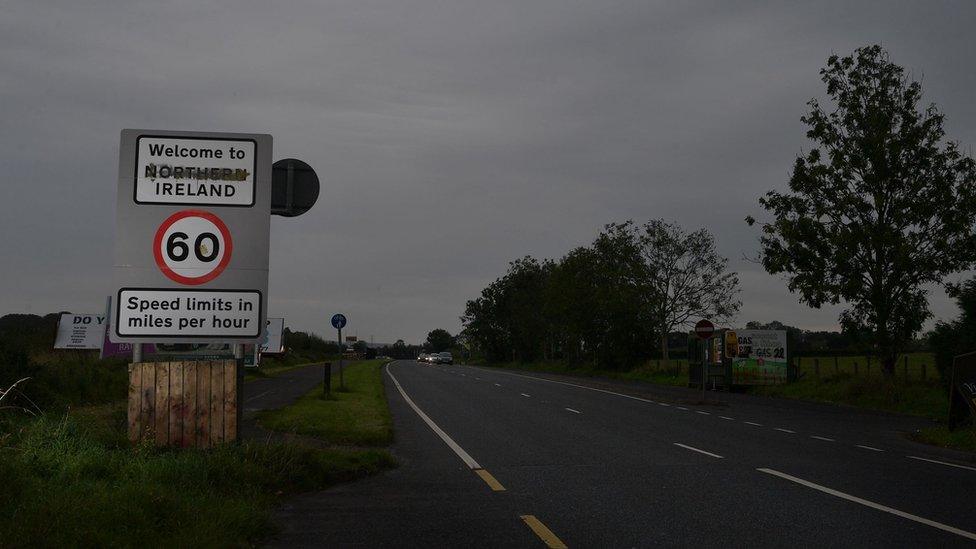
(704, 330)
(339, 322)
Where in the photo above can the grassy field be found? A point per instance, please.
(74, 480)
(911, 366)
(920, 398)
(359, 416)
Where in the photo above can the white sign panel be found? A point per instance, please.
(188, 170)
(80, 331)
(189, 314)
(272, 341)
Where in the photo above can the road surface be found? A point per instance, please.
(501, 458)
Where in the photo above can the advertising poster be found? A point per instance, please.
(760, 358)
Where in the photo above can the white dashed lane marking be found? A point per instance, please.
(942, 463)
(693, 449)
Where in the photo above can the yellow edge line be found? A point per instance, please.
(544, 533)
(491, 481)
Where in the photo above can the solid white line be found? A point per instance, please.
(785, 430)
(663, 404)
(574, 411)
(465, 457)
(942, 463)
(871, 504)
(872, 448)
(686, 447)
(822, 438)
(497, 385)
(681, 408)
(728, 418)
(525, 395)
(569, 384)
(752, 423)
(702, 413)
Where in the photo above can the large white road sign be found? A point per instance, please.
(192, 235)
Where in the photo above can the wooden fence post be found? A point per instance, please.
(855, 368)
(816, 367)
(906, 367)
(924, 373)
(869, 367)
(836, 366)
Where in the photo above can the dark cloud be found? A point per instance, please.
(451, 137)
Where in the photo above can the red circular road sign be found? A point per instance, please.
(704, 329)
(192, 247)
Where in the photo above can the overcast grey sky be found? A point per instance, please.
(450, 136)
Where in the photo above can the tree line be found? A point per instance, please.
(612, 304)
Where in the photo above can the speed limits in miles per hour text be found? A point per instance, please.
(189, 312)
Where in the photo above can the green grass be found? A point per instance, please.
(359, 416)
(960, 439)
(926, 399)
(921, 366)
(74, 480)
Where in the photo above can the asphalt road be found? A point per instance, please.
(497, 458)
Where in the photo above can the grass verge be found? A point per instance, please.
(926, 399)
(74, 480)
(960, 439)
(358, 416)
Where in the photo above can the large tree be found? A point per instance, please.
(881, 206)
(686, 279)
(439, 340)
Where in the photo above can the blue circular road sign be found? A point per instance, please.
(338, 321)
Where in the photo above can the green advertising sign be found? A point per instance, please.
(760, 356)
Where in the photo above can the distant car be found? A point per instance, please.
(422, 357)
(444, 358)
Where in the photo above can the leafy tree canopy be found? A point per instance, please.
(882, 205)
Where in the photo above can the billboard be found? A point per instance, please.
(80, 331)
(760, 356)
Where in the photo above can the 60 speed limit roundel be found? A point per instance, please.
(192, 247)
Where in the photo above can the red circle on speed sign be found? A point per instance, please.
(192, 247)
(704, 329)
